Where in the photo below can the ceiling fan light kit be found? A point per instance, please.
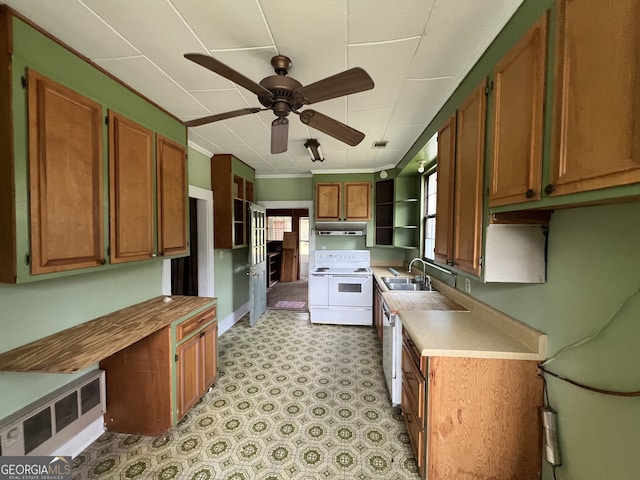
(283, 94)
(313, 147)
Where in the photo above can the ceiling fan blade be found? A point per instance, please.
(227, 72)
(351, 81)
(332, 127)
(222, 116)
(279, 135)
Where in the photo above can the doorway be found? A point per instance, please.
(203, 247)
(288, 284)
(184, 270)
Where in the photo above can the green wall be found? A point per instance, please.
(34, 310)
(284, 189)
(593, 259)
(199, 169)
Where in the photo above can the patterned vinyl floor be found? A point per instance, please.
(293, 401)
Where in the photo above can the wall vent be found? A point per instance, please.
(44, 425)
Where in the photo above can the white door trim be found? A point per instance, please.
(205, 245)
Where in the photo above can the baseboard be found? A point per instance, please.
(231, 320)
(82, 440)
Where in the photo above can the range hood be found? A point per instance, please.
(341, 228)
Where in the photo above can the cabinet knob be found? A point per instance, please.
(529, 193)
(103, 261)
(549, 189)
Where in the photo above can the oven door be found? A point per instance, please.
(318, 290)
(351, 291)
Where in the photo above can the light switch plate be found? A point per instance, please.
(467, 285)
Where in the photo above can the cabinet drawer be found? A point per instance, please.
(413, 382)
(414, 353)
(196, 322)
(415, 429)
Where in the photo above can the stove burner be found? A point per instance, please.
(361, 269)
(322, 269)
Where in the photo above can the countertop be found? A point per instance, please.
(83, 345)
(449, 323)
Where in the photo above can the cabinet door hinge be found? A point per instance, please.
(24, 82)
(109, 251)
(27, 259)
(488, 88)
(480, 261)
(176, 357)
(106, 119)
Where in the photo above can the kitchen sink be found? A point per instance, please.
(406, 284)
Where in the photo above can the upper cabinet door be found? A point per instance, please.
(171, 171)
(596, 130)
(131, 190)
(65, 178)
(328, 201)
(469, 180)
(443, 251)
(357, 201)
(516, 160)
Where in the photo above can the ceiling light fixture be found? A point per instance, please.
(421, 166)
(313, 146)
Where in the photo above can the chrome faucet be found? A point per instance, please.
(426, 279)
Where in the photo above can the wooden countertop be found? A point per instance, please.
(449, 323)
(86, 344)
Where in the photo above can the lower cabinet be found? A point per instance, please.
(153, 383)
(473, 415)
(196, 367)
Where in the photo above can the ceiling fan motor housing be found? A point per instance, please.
(282, 88)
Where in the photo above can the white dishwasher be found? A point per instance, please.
(392, 353)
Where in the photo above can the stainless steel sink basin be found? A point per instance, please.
(406, 284)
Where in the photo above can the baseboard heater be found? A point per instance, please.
(44, 425)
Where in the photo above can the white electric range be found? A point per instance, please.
(341, 287)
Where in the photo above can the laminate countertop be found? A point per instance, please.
(449, 323)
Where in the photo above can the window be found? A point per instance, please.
(429, 222)
(276, 226)
(304, 235)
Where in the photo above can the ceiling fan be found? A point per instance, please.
(284, 95)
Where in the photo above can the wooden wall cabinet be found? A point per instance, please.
(596, 124)
(232, 184)
(131, 220)
(517, 120)
(460, 185)
(171, 173)
(151, 384)
(65, 178)
(472, 415)
(357, 201)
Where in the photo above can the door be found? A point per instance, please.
(189, 374)
(257, 262)
(65, 178)
(345, 291)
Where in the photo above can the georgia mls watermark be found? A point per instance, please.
(35, 468)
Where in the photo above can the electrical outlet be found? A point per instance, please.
(467, 285)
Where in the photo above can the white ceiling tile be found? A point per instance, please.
(221, 24)
(221, 101)
(313, 38)
(143, 43)
(387, 65)
(87, 33)
(383, 21)
(420, 100)
(145, 77)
